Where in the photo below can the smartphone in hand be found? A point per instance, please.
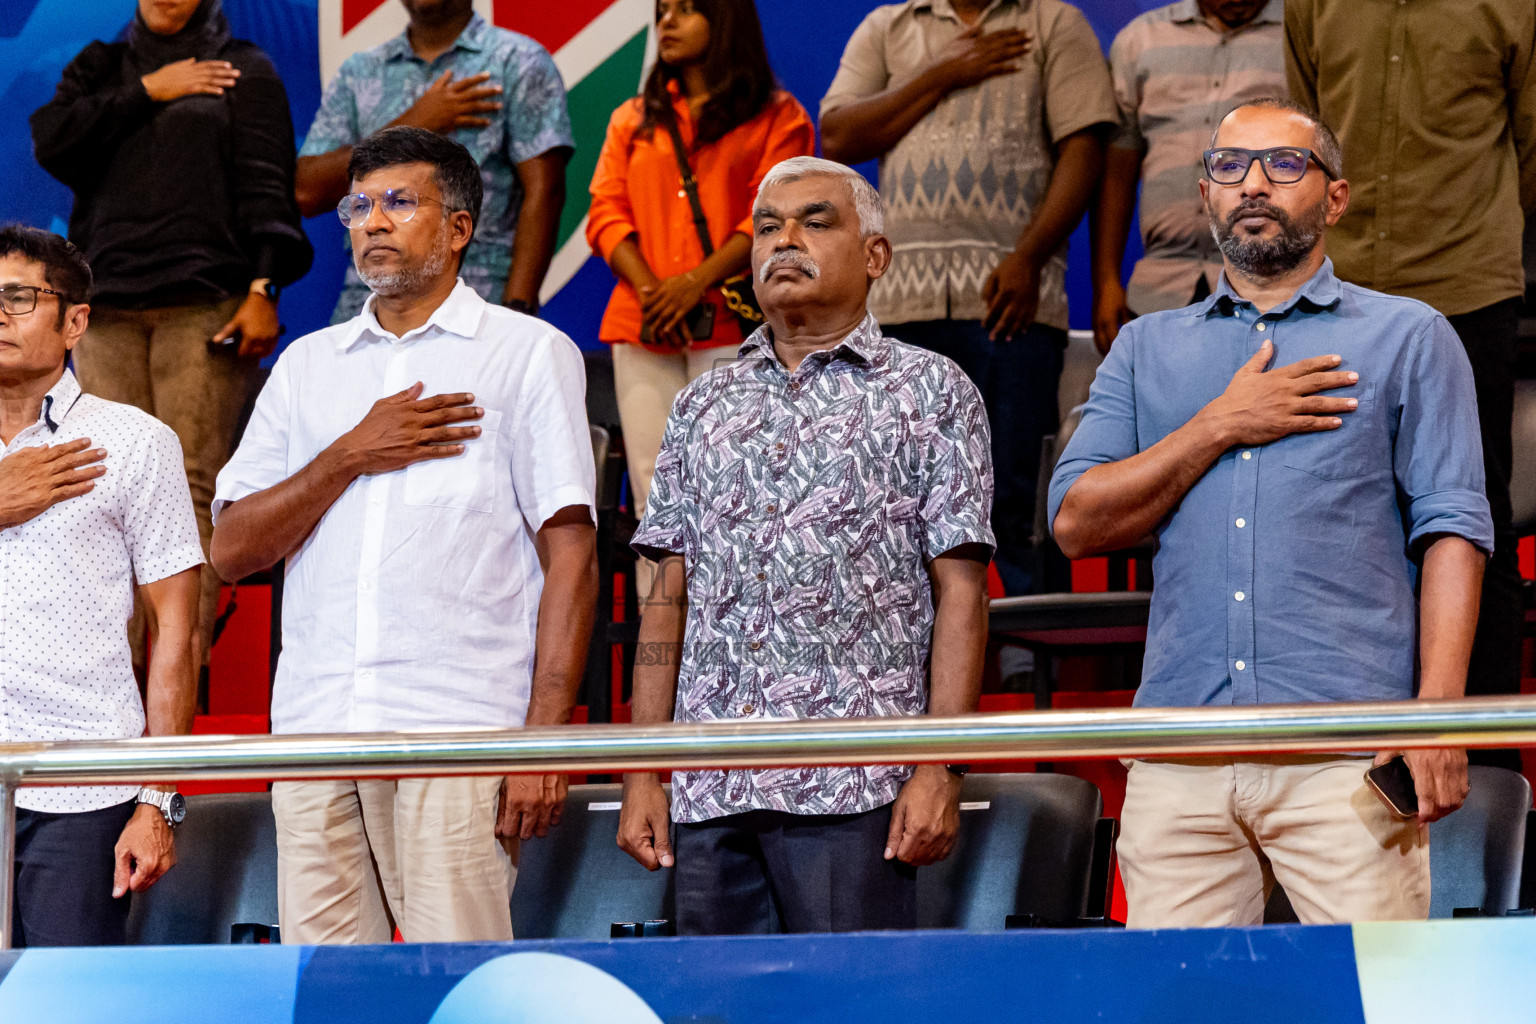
(1393, 784)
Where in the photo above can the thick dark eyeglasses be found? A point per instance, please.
(399, 205)
(1283, 165)
(21, 299)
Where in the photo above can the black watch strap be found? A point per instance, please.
(523, 306)
(957, 770)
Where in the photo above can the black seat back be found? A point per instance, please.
(225, 875)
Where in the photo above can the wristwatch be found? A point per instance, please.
(264, 286)
(173, 805)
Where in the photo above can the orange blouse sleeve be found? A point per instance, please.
(611, 216)
(790, 133)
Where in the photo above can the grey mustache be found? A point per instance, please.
(792, 258)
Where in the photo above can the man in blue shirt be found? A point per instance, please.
(1306, 453)
(496, 92)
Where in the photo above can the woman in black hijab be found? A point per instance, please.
(177, 142)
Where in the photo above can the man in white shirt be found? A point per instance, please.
(93, 497)
(441, 558)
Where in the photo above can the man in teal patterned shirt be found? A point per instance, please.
(495, 91)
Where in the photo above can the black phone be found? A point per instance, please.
(1393, 783)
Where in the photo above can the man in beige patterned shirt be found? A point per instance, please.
(988, 119)
(1176, 69)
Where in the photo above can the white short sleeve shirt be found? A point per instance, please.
(413, 604)
(66, 591)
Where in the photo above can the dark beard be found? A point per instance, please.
(1262, 258)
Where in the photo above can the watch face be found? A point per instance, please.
(178, 808)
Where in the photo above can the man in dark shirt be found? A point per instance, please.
(1435, 103)
(179, 148)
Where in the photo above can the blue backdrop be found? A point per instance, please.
(39, 37)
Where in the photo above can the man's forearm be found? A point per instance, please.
(1110, 223)
(869, 128)
(1450, 588)
(255, 532)
(1114, 505)
(538, 224)
(1079, 163)
(566, 610)
(959, 648)
(320, 181)
(170, 695)
(660, 651)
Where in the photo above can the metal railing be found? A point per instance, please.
(1031, 735)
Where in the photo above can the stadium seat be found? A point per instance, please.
(575, 883)
(1026, 848)
(225, 875)
(1475, 853)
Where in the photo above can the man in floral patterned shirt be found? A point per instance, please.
(496, 92)
(820, 516)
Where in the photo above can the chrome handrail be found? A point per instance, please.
(1032, 735)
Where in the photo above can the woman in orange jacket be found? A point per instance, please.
(713, 86)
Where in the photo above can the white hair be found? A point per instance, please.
(866, 201)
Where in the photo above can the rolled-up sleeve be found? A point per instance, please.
(863, 70)
(956, 503)
(1107, 431)
(1438, 455)
(261, 460)
(611, 216)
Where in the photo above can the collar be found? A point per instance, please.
(471, 39)
(59, 400)
(866, 343)
(1272, 13)
(1321, 291)
(460, 315)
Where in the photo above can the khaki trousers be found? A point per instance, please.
(1204, 842)
(356, 860)
(646, 384)
(160, 360)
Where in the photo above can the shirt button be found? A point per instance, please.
(747, 709)
(762, 575)
(1239, 595)
(376, 501)
(794, 385)
(1381, 234)
(1247, 456)
(1384, 177)
(367, 584)
(1241, 665)
(1242, 523)
(754, 645)
(1258, 327)
(772, 509)
(1394, 58)
(779, 446)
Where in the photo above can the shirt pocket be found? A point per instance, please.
(1351, 451)
(466, 481)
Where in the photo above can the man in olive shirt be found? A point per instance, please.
(1435, 103)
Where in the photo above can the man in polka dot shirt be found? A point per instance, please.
(93, 499)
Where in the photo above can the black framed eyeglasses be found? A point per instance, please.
(1283, 165)
(21, 299)
(399, 205)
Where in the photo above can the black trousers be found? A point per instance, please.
(1489, 336)
(764, 872)
(64, 868)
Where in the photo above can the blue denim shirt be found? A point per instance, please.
(1288, 573)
